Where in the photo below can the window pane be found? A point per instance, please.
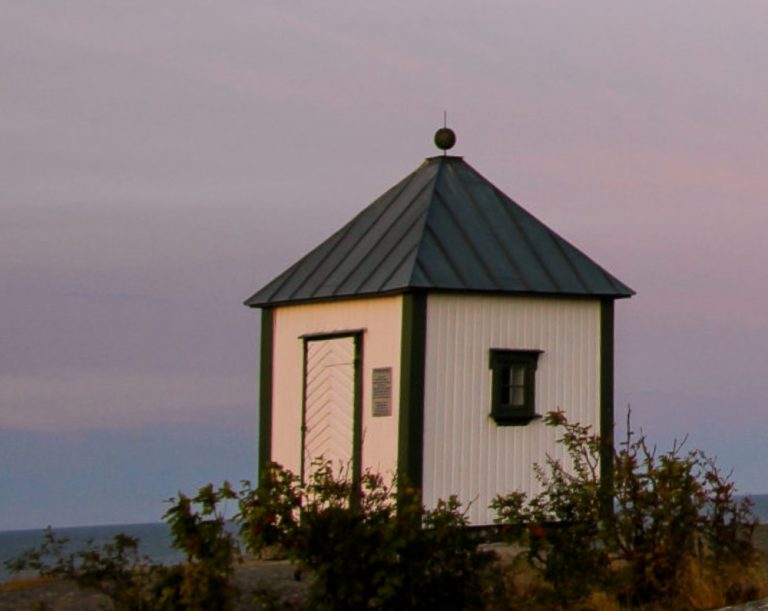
(504, 386)
(513, 383)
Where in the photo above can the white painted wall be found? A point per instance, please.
(465, 451)
(381, 319)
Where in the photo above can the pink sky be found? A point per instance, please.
(161, 161)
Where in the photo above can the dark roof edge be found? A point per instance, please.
(402, 291)
(447, 157)
(622, 290)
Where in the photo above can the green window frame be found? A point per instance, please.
(513, 386)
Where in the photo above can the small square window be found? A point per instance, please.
(513, 386)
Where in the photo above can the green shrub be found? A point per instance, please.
(674, 517)
(198, 528)
(561, 526)
(369, 546)
(675, 536)
(113, 568)
(674, 511)
(202, 583)
(267, 514)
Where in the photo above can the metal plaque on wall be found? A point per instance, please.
(382, 391)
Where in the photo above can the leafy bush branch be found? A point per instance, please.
(374, 547)
(675, 517)
(675, 536)
(202, 583)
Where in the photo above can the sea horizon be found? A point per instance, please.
(56, 529)
(760, 501)
(155, 537)
(154, 541)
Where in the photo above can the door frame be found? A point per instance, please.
(357, 402)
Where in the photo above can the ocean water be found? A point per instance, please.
(760, 506)
(154, 541)
(155, 538)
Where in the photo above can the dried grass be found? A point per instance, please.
(701, 586)
(24, 583)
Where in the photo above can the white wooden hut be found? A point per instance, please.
(430, 334)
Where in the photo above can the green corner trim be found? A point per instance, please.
(303, 461)
(265, 388)
(412, 364)
(606, 395)
(357, 439)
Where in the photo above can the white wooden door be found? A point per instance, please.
(329, 403)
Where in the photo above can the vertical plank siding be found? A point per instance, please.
(465, 451)
(379, 321)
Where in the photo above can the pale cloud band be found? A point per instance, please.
(80, 401)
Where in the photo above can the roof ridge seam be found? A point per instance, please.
(288, 274)
(428, 231)
(387, 231)
(468, 194)
(343, 232)
(466, 239)
(500, 195)
(423, 271)
(420, 243)
(449, 229)
(404, 183)
(389, 276)
(558, 241)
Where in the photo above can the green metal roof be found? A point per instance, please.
(443, 227)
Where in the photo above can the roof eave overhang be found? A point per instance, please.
(373, 295)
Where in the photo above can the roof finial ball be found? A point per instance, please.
(445, 139)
